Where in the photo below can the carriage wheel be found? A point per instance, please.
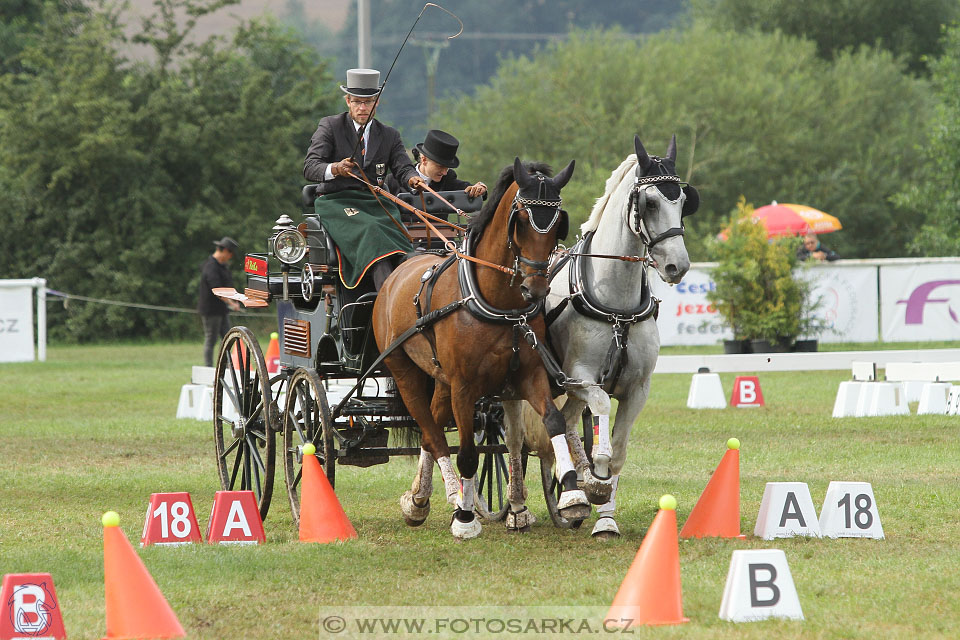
(551, 494)
(243, 418)
(492, 483)
(306, 418)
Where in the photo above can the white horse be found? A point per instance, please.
(602, 323)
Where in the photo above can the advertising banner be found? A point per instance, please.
(16, 324)
(848, 302)
(920, 302)
(686, 316)
(847, 295)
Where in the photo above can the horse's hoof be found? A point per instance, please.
(598, 490)
(605, 529)
(464, 530)
(573, 505)
(520, 521)
(413, 514)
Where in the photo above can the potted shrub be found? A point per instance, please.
(757, 293)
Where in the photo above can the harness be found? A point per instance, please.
(586, 304)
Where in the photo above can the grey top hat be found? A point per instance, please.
(441, 147)
(363, 83)
(226, 242)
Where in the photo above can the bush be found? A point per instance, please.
(758, 295)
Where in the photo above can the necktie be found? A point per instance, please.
(363, 150)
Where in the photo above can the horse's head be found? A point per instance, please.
(659, 203)
(537, 223)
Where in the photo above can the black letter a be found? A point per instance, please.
(795, 514)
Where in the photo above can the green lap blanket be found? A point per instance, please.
(361, 230)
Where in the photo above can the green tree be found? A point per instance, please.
(909, 30)
(937, 192)
(20, 22)
(755, 114)
(118, 176)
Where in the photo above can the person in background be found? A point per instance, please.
(811, 249)
(436, 160)
(214, 313)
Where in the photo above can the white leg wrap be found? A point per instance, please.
(602, 451)
(450, 482)
(611, 506)
(423, 483)
(562, 453)
(468, 491)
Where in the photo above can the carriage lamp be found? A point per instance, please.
(290, 246)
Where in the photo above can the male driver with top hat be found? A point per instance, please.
(436, 160)
(329, 159)
(213, 312)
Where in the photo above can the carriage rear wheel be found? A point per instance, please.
(551, 494)
(306, 419)
(243, 418)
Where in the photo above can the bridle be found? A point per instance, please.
(559, 217)
(649, 183)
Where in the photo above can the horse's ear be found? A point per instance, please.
(564, 176)
(672, 149)
(520, 176)
(642, 157)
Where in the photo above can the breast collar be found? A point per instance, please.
(473, 300)
(587, 304)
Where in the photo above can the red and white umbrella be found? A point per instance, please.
(795, 219)
(791, 220)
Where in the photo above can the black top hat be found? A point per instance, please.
(441, 147)
(363, 83)
(226, 242)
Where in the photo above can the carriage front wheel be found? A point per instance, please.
(243, 418)
(306, 419)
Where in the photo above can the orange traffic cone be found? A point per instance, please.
(717, 512)
(135, 606)
(239, 354)
(273, 353)
(650, 592)
(322, 519)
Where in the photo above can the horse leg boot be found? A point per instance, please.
(573, 503)
(465, 524)
(519, 518)
(606, 527)
(415, 504)
(596, 481)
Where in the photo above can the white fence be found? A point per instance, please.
(893, 300)
(16, 320)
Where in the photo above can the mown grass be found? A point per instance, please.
(92, 429)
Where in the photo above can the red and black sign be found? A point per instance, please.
(256, 266)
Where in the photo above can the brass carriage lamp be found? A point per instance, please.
(289, 246)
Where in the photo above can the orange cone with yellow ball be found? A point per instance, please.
(135, 606)
(322, 519)
(650, 593)
(717, 512)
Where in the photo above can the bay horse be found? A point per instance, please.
(602, 320)
(474, 348)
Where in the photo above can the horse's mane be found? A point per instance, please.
(613, 182)
(504, 180)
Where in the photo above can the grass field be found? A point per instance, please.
(92, 429)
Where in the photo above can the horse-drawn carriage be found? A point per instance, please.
(330, 389)
(331, 334)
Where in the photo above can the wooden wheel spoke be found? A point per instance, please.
(255, 454)
(296, 481)
(227, 451)
(236, 465)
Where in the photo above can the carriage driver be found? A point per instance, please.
(350, 213)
